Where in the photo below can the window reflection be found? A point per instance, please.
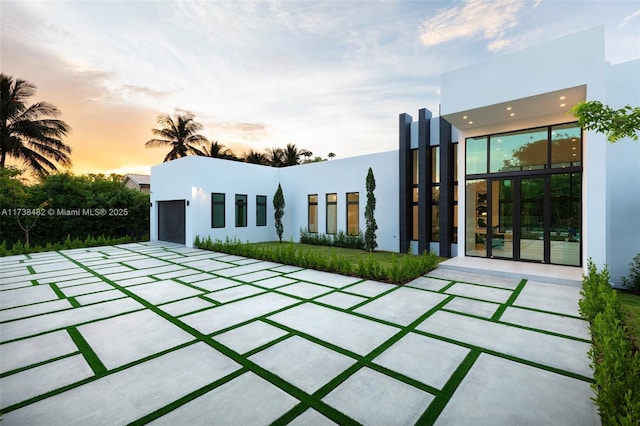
(525, 150)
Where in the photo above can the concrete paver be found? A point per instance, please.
(381, 399)
(500, 392)
(136, 329)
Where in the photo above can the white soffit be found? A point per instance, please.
(550, 103)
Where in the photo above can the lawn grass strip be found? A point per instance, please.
(38, 364)
(510, 301)
(31, 270)
(57, 291)
(87, 351)
(444, 289)
(74, 302)
(34, 282)
(442, 398)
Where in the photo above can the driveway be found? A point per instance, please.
(160, 333)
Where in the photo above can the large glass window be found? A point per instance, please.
(241, 210)
(524, 150)
(332, 213)
(476, 155)
(566, 146)
(261, 210)
(312, 201)
(217, 210)
(353, 213)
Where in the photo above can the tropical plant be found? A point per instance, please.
(180, 133)
(275, 157)
(291, 155)
(615, 123)
(217, 150)
(254, 157)
(331, 155)
(278, 205)
(369, 213)
(28, 133)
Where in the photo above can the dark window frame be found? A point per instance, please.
(239, 202)
(327, 204)
(261, 205)
(353, 203)
(215, 203)
(309, 204)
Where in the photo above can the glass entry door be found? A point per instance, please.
(517, 225)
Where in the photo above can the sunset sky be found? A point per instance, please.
(328, 76)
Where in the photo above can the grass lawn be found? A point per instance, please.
(631, 306)
(352, 255)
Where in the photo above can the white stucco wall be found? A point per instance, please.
(623, 176)
(342, 176)
(195, 178)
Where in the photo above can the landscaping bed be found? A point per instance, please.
(380, 266)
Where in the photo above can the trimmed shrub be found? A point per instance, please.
(616, 367)
(632, 282)
(403, 269)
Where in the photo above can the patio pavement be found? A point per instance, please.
(159, 333)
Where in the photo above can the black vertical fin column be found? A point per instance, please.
(404, 190)
(424, 179)
(446, 188)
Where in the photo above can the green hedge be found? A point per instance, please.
(404, 268)
(615, 363)
(90, 241)
(338, 240)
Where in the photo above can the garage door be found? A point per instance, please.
(171, 223)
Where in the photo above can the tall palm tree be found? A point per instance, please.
(291, 155)
(331, 155)
(179, 133)
(26, 132)
(254, 157)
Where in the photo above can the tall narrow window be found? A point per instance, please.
(435, 193)
(455, 193)
(332, 213)
(261, 210)
(217, 210)
(313, 212)
(353, 213)
(241, 210)
(414, 194)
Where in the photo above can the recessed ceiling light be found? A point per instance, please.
(471, 122)
(512, 114)
(464, 117)
(573, 147)
(562, 105)
(562, 98)
(508, 108)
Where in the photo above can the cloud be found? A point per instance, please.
(630, 18)
(488, 20)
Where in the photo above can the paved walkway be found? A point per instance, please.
(160, 333)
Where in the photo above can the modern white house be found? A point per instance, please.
(504, 172)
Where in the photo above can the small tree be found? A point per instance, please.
(369, 213)
(615, 123)
(278, 205)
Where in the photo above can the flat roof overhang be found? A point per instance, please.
(551, 103)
